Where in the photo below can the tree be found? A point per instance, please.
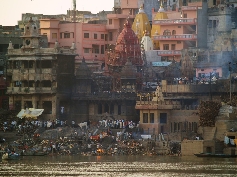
(208, 110)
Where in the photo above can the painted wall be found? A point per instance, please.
(77, 31)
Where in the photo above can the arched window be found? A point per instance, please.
(173, 32)
(167, 32)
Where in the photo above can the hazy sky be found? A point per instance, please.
(11, 10)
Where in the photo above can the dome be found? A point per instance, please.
(141, 24)
(128, 71)
(156, 28)
(147, 42)
(83, 71)
(127, 46)
(31, 29)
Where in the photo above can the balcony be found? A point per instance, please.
(118, 16)
(169, 52)
(112, 27)
(32, 74)
(30, 90)
(180, 37)
(189, 90)
(154, 105)
(181, 21)
(105, 96)
(189, 7)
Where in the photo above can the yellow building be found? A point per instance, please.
(141, 24)
(156, 27)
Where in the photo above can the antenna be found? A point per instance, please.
(74, 6)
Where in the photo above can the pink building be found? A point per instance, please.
(90, 39)
(177, 32)
(122, 10)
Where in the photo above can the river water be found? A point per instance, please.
(118, 166)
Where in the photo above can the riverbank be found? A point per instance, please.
(75, 140)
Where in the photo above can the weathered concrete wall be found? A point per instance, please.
(230, 151)
(202, 26)
(207, 133)
(191, 147)
(148, 5)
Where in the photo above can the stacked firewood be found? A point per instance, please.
(226, 99)
(8, 115)
(208, 110)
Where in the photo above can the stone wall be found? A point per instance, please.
(191, 147)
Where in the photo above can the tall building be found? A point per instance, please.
(173, 31)
(40, 77)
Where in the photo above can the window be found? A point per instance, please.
(86, 50)
(61, 35)
(163, 118)
(44, 33)
(54, 35)
(119, 109)
(185, 16)
(214, 2)
(106, 37)
(99, 108)
(179, 26)
(110, 36)
(152, 118)
(145, 117)
(209, 23)
(66, 35)
(102, 36)
(214, 24)
(110, 21)
(173, 32)
(102, 49)
(178, 42)
(166, 46)
(95, 48)
(172, 46)
(167, 33)
(164, 58)
(86, 35)
(95, 36)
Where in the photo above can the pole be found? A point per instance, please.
(230, 79)
(210, 88)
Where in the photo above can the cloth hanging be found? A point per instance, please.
(235, 140)
(226, 140)
(232, 142)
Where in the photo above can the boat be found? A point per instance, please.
(33, 153)
(215, 155)
(10, 156)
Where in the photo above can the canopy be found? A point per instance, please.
(30, 113)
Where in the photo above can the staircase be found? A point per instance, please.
(219, 146)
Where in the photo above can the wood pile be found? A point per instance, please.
(208, 110)
(8, 115)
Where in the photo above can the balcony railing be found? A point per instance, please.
(30, 90)
(179, 37)
(189, 8)
(168, 52)
(163, 105)
(105, 96)
(175, 21)
(117, 16)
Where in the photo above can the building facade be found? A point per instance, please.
(40, 77)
